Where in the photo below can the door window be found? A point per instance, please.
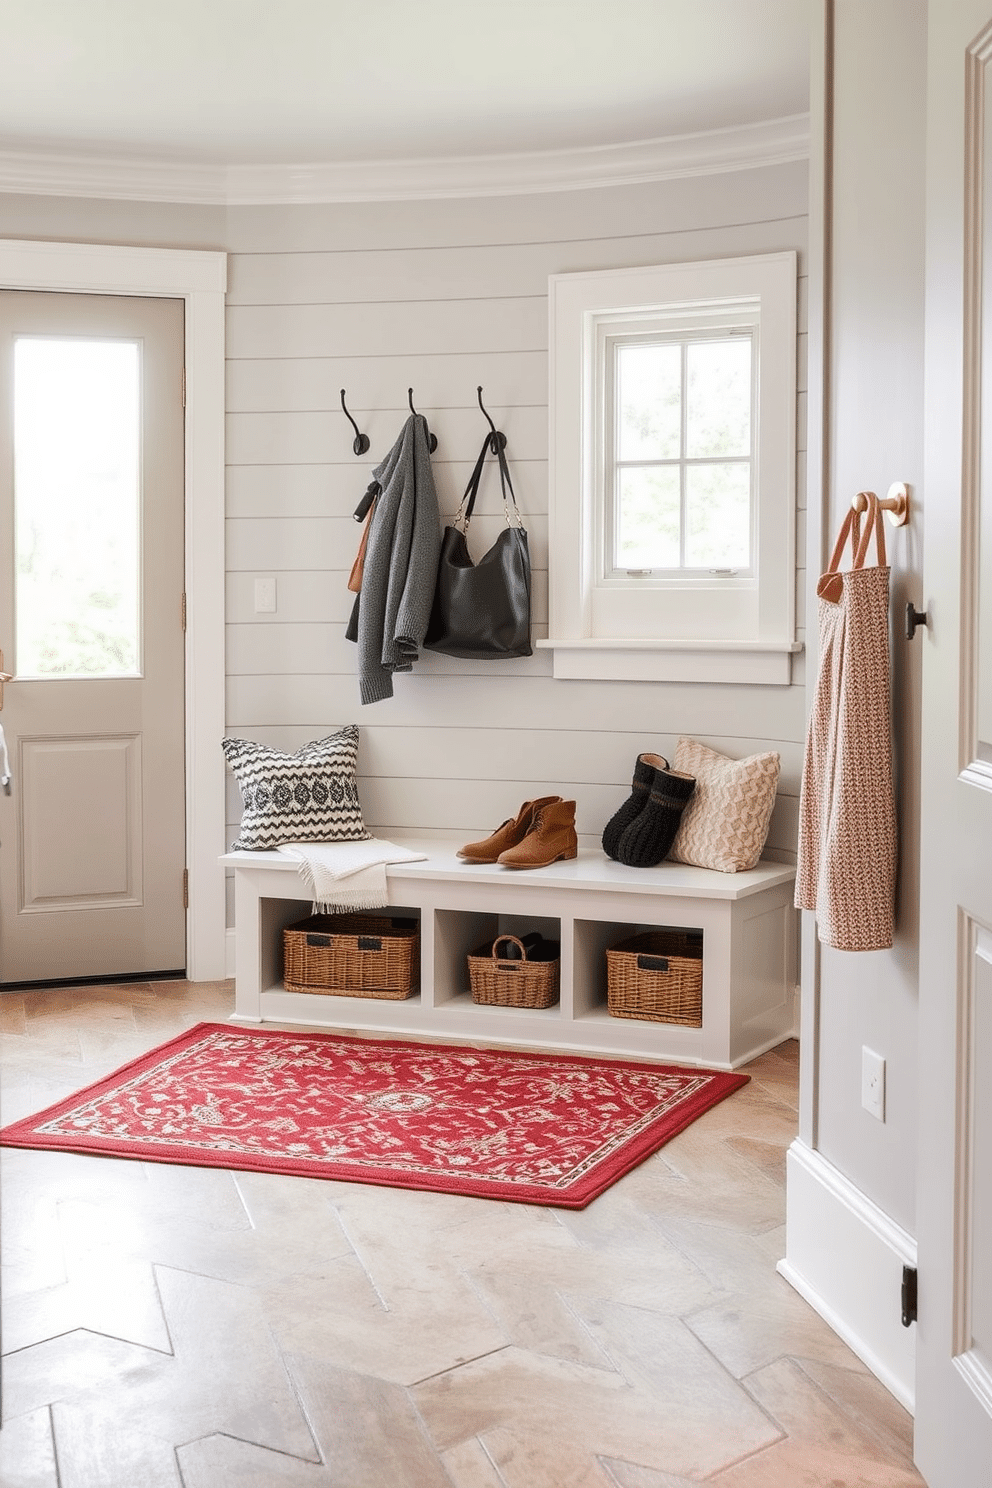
(77, 456)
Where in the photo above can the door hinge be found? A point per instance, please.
(184, 387)
(183, 610)
(909, 1294)
(185, 888)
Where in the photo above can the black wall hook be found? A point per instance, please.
(361, 442)
(431, 438)
(915, 617)
(498, 440)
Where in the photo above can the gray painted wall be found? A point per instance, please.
(440, 296)
(875, 437)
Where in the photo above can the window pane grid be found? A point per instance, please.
(715, 397)
(701, 460)
(682, 448)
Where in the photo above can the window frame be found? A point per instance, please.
(676, 625)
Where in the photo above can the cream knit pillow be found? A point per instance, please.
(726, 820)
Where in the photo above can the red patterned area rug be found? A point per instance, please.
(537, 1128)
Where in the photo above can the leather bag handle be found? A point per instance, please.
(831, 582)
(464, 514)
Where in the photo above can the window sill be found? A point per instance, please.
(755, 663)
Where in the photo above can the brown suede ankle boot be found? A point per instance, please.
(551, 837)
(507, 835)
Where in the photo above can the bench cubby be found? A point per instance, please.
(458, 932)
(747, 921)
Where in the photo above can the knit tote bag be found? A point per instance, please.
(847, 818)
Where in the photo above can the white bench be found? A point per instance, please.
(747, 921)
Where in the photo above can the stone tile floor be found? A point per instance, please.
(168, 1327)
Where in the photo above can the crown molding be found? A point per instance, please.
(709, 152)
(111, 178)
(706, 153)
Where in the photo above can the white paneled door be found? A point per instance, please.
(954, 1343)
(92, 833)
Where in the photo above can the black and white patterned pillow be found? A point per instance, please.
(309, 796)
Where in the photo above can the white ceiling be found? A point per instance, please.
(237, 82)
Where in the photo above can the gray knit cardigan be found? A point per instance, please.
(400, 564)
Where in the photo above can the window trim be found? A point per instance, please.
(747, 641)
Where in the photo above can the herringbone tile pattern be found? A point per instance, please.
(170, 1327)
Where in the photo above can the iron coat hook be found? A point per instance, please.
(361, 443)
(431, 438)
(915, 617)
(498, 440)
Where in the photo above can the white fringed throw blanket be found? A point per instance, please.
(347, 875)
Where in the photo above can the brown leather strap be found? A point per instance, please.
(874, 522)
(852, 520)
(831, 581)
(358, 567)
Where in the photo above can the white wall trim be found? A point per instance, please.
(200, 279)
(845, 1256)
(730, 663)
(709, 152)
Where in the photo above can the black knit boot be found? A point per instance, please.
(650, 835)
(634, 804)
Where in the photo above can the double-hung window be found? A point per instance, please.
(672, 506)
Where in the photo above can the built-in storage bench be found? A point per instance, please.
(590, 904)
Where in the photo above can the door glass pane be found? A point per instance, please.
(718, 398)
(77, 507)
(649, 402)
(981, 618)
(718, 515)
(649, 517)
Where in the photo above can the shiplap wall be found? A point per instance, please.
(443, 296)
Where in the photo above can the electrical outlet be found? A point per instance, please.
(873, 1083)
(265, 596)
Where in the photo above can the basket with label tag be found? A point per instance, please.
(657, 976)
(353, 955)
(513, 972)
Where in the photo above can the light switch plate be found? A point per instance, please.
(265, 596)
(873, 1083)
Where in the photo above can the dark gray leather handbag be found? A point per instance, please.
(481, 610)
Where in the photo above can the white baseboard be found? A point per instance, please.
(845, 1256)
(229, 944)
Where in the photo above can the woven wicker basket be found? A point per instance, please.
(657, 976)
(353, 955)
(512, 983)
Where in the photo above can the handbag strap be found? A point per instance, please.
(831, 584)
(367, 502)
(463, 516)
(851, 527)
(875, 523)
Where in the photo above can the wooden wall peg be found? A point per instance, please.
(895, 503)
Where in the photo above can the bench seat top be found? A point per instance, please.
(591, 871)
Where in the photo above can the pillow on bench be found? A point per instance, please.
(726, 821)
(309, 796)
